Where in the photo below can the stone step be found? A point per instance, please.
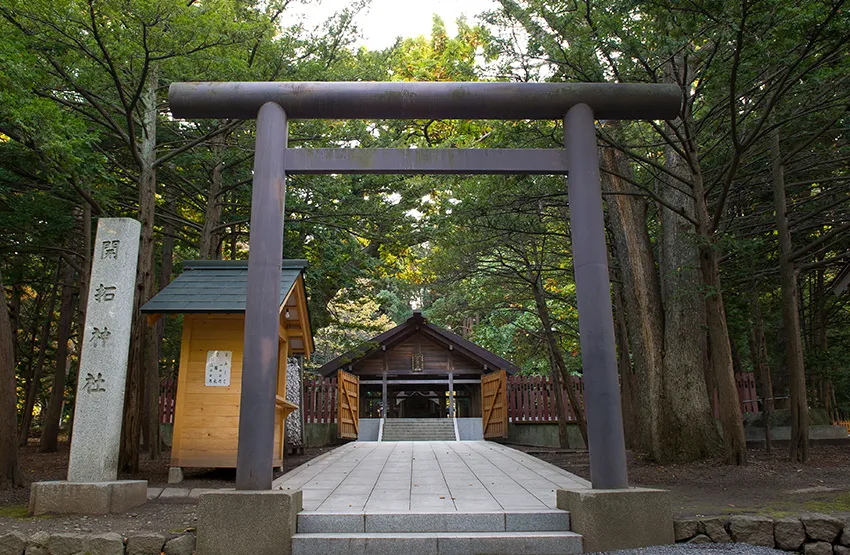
(428, 437)
(419, 425)
(408, 429)
(393, 424)
(423, 430)
(548, 520)
(417, 438)
(444, 543)
(417, 429)
(435, 421)
(420, 432)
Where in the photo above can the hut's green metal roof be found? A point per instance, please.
(210, 286)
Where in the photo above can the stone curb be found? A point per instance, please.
(812, 534)
(64, 543)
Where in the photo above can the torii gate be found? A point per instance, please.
(274, 103)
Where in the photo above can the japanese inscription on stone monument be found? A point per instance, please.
(103, 360)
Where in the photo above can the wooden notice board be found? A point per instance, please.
(348, 403)
(494, 409)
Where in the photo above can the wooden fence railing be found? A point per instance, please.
(746, 382)
(320, 398)
(167, 396)
(530, 398)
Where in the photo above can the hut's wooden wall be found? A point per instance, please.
(206, 420)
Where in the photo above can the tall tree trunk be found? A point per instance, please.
(165, 269)
(212, 217)
(819, 340)
(555, 355)
(557, 389)
(688, 427)
(703, 258)
(720, 353)
(30, 337)
(82, 306)
(10, 472)
(641, 294)
(799, 446)
(627, 378)
(758, 352)
(139, 368)
(50, 432)
(15, 318)
(35, 380)
(234, 241)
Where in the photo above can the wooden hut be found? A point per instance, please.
(211, 297)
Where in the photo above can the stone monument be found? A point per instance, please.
(93, 467)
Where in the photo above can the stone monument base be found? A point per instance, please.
(96, 498)
(613, 519)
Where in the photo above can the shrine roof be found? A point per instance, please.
(216, 286)
(418, 324)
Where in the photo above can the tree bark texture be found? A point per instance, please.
(758, 353)
(556, 356)
(688, 428)
(720, 353)
(627, 377)
(641, 293)
(675, 417)
(82, 308)
(557, 387)
(165, 269)
(10, 472)
(34, 383)
(210, 238)
(799, 446)
(50, 432)
(139, 368)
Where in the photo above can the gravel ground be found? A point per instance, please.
(768, 485)
(701, 549)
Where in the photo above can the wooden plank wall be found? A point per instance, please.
(206, 423)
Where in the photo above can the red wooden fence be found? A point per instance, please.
(319, 400)
(167, 396)
(530, 398)
(746, 382)
(747, 394)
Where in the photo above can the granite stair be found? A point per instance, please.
(539, 532)
(418, 429)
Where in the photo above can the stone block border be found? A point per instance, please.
(811, 534)
(143, 543)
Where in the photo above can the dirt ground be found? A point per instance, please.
(168, 517)
(768, 484)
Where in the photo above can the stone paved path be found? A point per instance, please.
(188, 495)
(427, 476)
